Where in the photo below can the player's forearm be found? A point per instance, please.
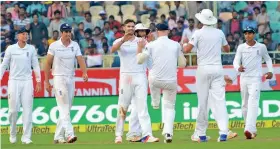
(187, 47)
(116, 46)
(47, 72)
(36, 68)
(82, 64)
(4, 66)
(269, 65)
(141, 58)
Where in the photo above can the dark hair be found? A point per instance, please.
(236, 32)
(57, 12)
(106, 22)
(241, 12)
(111, 17)
(35, 14)
(220, 21)
(97, 27)
(128, 21)
(105, 44)
(104, 38)
(55, 31)
(263, 6)
(80, 23)
(163, 15)
(190, 19)
(172, 12)
(180, 21)
(256, 8)
(87, 13)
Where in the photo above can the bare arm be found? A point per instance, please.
(226, 48)
(82, 64)
(187, 47)
(48, 66)
(6, 62)
(36, 67)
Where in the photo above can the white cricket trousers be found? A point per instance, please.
(64, 87)
(169, 91)
(134, 124)
(133, 86)
(211, 95)
(250, 94)
(20, 92)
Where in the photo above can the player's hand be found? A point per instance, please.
(126, 37)
(150, 37)
(85, 77)
(228, 80)
(48, 87)
(142, 43)
(38, 87)
(241, 69)
(269, 75)
(186, 40)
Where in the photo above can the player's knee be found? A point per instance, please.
(169, 104)
(13, 112)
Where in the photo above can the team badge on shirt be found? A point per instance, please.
(27, 54)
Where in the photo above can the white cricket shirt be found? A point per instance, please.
(20, 61)
(163, 54)
(128, 57)
(208, 42)
(64, 58)
(251, 58)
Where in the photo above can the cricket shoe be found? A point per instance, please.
(231, 135)
(133, 138)
(72, 139)
(167, 138)
(60, 141)
(149, 139)
(222, 138)
(249, 135)
(13, 140)
(197, 138)
(27, 142)
(118, 140)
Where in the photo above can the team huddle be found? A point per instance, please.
(139, 52)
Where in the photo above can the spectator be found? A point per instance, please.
(174, 36)
(108, 33)
(56, 6)
(180, 28)
(153, 30)
(79, 33)
(199, 25)
(96, 3)
(114, 22)
(3, 8)
(221, 26)
(87, 22)
(22, 10)
(277, 55)
(38, 30)
(256, 12)
(241, 19)
(228, 58)
(225, 6)
(188, 32)
(251, 6)
(56, 22)
(271, 45)
(231, 42)
(105, 49)
(21, 22)
(91, 50)
(237, 39)
(5, 28)
(5, 44)
(186, 24)
(15, 12)
(180, 11)
(153, 18)
(97, 36)
(45, 44)
(93, 59)
(249, 22)
(163, 19)
(150, 7)
(200, 6)
(100, 22)
(36, 6)
(54, 37)
(234, 23)
(263, 21)
(172, 20)
(118, 33)
(68, 9)
(87, 41)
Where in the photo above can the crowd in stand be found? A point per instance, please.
(96, 32)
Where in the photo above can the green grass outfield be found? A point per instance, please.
(268, 138)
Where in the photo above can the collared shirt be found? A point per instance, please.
(64, 58)
(187, 33)
(20, 61)
(208, 46)
(251, 59)
(128, 57)
(163, 56)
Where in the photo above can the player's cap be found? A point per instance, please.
(141, 26)
(65, 27)
(22, 30)
(206, 17)
(162, 27)
(249, 30)
(102, 12)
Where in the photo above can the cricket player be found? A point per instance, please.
(134, 134)
(20, 57)
(133, 84)
(210, 81)
(248, 62)
(61, 58)
(165, 54)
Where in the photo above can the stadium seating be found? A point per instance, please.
(274, 15)
(133, 17)
(128, 9)
(163, 10)
(275, 36)
(10, 9)
(94, 10)
(173, 7)
(145, 18)
(78, 19)
(112, 10)
(240, 6)
(271, 5)
(275, 26)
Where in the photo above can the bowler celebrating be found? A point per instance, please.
(248, 62)
(20, 57)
